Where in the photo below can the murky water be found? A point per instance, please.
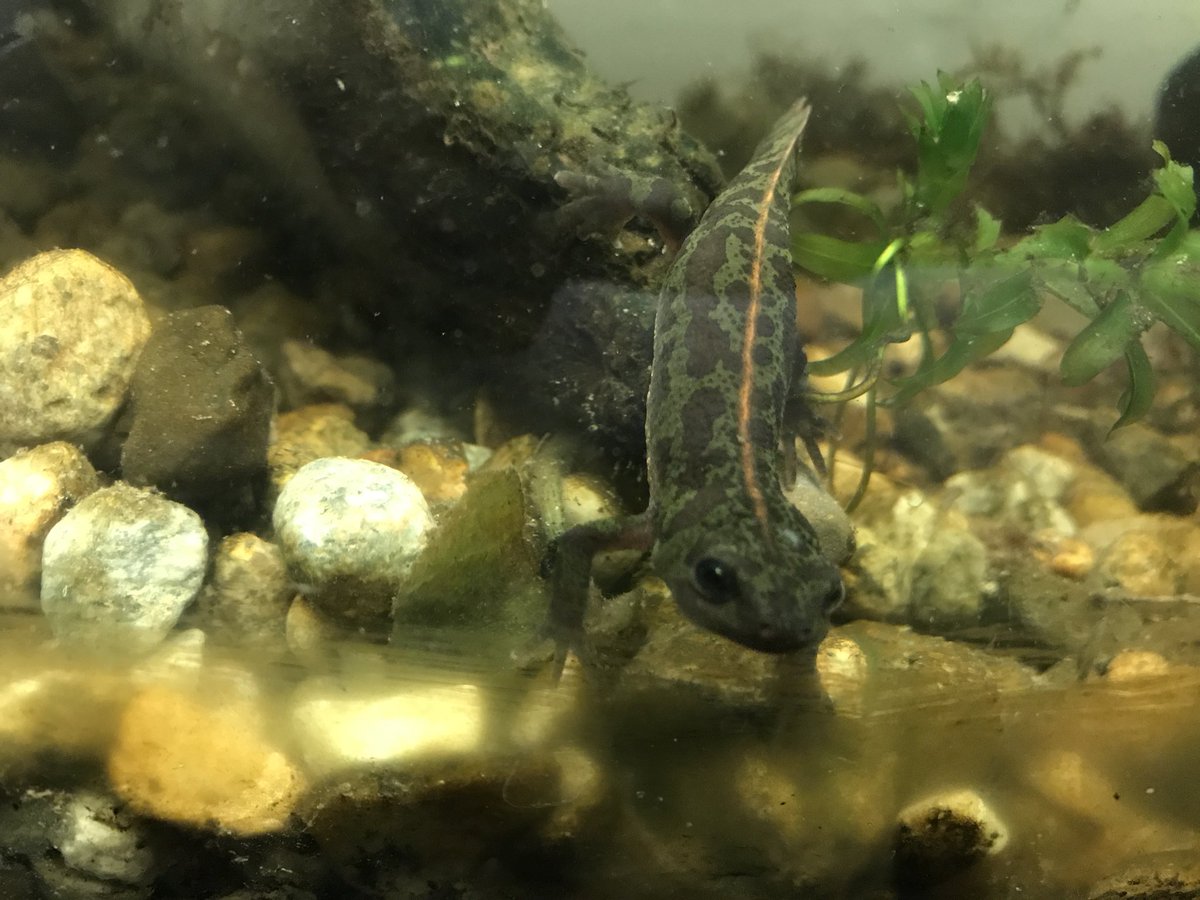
(311, 350)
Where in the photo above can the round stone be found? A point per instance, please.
(73, 329)
(37, 486)
(350, 529)
(121, 566)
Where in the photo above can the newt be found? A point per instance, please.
(724, 401)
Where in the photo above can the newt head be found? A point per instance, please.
(772, 596)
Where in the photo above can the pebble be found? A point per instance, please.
(73, 329)
(1116, 801)
(835, 533)
(586, 498)
(1031, 348)
(221, 254)
(202, 762)
(246, 599)
(310, 635)
(442, 824)
(1134, 665)
(799, 829)
(29, 187)
(98, 837)
(271, 313)
(1141, 565)
(311, 433)
(949, 580)
(351, 528)
(342, 724)
(1069, 557)
(308, 374)
(870, 665)
(877, 580)
(200, 411)
(1023, 491)
(419, 423)
(121, 566)
(37, 487)
(146, 238)
(918, 561)
(438, 468)
(940, 835)
(77, 844)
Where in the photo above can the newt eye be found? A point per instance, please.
(715, 581)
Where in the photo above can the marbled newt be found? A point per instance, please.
(726, 381)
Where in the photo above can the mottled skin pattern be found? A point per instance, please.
(739, 559)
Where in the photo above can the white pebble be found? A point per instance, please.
(342, 725)
(340, 518)
(121, 567)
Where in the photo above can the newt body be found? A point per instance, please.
(740, 560)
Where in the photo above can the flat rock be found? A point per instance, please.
(73, 329)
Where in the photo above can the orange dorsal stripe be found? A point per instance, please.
(749, 335)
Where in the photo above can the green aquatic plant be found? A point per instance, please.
(1142, 269)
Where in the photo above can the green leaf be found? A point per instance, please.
(1188, 250)
(1174, 182)
(1148, 218)
(1138, 397)
(1068, 238)
(960, 354)
(1101, 342)
(1171, 293)
(882, 322)
(987, 230)
(856, 202)
(947, 139)
(833, 258)
(1001, 306)
(1169, 243)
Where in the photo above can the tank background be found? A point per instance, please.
(659, 46)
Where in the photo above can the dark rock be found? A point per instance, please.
(1159, 472)
(200, 412)
(469, 829)
(592, 359)
(968, 422)
(416, 145)
(1177, 118)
